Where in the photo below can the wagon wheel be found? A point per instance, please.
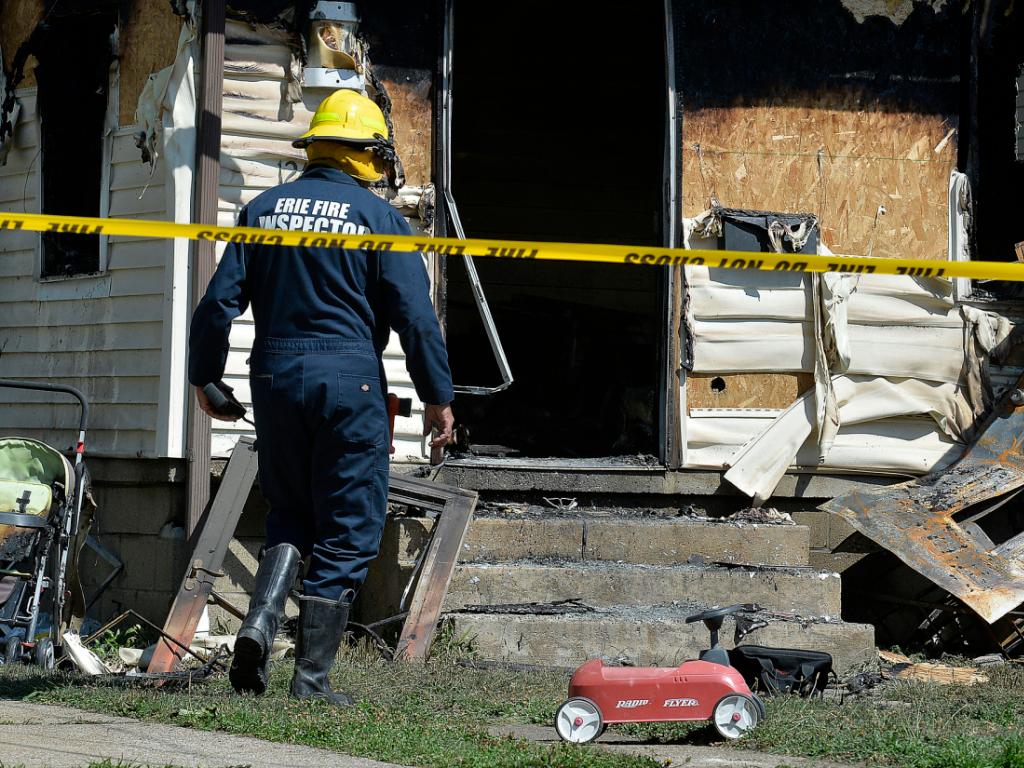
(578, 721)
(735, 716)
(760, 706)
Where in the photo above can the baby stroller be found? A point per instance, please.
(41, 497)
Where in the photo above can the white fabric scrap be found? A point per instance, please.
(208, 645)
(86, 661)
(154, 102)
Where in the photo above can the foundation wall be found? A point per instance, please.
(140, 518)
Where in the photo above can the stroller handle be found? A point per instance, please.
(44, 387)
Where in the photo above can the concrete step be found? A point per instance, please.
(628, 539)
(799, 590)
(649, 636)
(635, 540)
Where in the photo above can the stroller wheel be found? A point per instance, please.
(12, 650)
(44, 656)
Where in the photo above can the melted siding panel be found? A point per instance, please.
(755, 324)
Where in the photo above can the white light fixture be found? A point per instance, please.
(335, 54)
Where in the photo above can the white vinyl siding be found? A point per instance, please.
(758, 322)
(101, 334)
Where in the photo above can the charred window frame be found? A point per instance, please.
(77, 104)
(1020, 115)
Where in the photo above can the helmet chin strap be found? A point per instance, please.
(330, 162)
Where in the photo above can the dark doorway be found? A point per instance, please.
(558, 134)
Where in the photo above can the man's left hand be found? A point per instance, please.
(441, 419)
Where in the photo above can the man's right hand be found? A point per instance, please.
(205, 407)
(440, 418)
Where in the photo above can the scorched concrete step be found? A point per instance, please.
(799, 590)
(649, 636)
(635, 540)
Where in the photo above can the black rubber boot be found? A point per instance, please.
(250, 668)
(321, 624)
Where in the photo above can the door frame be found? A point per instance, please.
(673, 379)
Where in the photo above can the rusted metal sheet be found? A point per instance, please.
(928, 525)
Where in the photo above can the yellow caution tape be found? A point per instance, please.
(513, 249)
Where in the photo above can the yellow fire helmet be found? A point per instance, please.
(350, 129)
(347, 117)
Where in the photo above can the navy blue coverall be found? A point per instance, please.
(322, 320)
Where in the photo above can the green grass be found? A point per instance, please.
(438, 715)
(907, 724)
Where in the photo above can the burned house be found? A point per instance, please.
(871, 128)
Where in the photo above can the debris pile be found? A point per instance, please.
(956, 528)
(761, 515)
(904, 668)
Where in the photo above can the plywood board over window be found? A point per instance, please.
(401, 37)
(745, 390)
(841, 162)
(412, 114)
(824, 107)
(830, 107)
(148, 42)
(148, 38)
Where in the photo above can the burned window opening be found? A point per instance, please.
(75, 54)
(733, 53)
(586, 164)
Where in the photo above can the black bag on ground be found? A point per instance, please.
(782, 670)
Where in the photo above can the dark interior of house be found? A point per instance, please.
(558, 135)
(993, 157)
(73, 74)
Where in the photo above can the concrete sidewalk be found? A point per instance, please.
(41, 736)
(692, 756)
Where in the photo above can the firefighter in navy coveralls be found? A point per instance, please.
(322, 318)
